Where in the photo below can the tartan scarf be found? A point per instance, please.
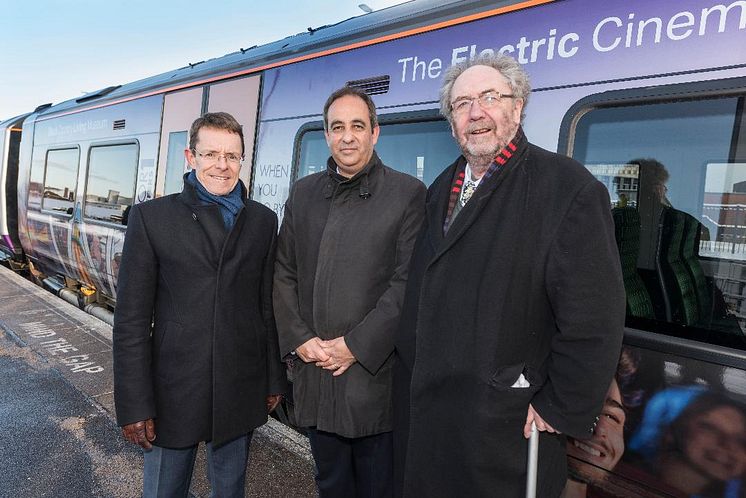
(501, 159)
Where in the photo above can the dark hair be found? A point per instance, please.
(700, 405)
(652, 169)
(216, 121)
(356, 92)
(626, 370)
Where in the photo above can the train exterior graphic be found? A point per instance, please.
(648, 94)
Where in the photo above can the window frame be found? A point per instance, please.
(700, 90)
(59, 214)
(168, 148)
(92, 146)
(665, 336)
(421, 116)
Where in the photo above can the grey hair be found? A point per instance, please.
(504, 64)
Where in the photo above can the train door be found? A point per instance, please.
(240, 98)
(674, 161)
(52, 195)
(179, 110)
(10, 141)
(237, 97)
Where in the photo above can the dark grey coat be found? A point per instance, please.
(527, 280)
(204, 368)
(342, 260)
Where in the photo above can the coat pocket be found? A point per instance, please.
(159, 336)
(171, 356)
(518, 377)
(506, 377)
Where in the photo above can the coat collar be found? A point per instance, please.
(437, 204)
(437, 209)
(210, 219)
(362, 179)
(188, 194)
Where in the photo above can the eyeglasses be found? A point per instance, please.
(487, 100)
(211, 157)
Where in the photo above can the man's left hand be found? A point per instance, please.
(541, 424)
(272, 401)
(340, 357)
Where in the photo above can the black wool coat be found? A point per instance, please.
(195, 344)
(526, 281)
(342, 261)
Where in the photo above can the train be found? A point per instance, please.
(648, 95)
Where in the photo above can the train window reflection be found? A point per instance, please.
(422, 149)
(175, 162)
(110, 186)
(60, 175)
(678, 200)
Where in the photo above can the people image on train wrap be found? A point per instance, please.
(592, 460)
(692, 440)
(514, 308)
(342, 263)
(195, 346)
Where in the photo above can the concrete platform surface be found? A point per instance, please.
(58, 436)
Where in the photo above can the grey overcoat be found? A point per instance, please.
(342, 259)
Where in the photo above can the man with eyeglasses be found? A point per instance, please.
(195, 346)
(342, 259)
(514, 308)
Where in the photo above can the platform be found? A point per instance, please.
(44, 328)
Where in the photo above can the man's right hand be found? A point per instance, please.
(140, 433)
(311, 351)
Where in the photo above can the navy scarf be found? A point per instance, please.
(229, 204)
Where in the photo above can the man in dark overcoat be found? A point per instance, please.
(514, 308)
(342, 260)
(195, 346)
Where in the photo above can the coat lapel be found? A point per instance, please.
(232, 237)
(438, 203)
(470, 213)
(211, 222)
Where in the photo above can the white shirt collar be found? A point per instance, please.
(468, 177)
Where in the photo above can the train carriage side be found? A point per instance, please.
(60, 225)
(85, 169)
(627, 88)
(648, 95)
(90, 160)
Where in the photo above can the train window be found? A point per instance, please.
(110, 186)
(676, 176)
(422, 149)
(175, 162)
(60, 178)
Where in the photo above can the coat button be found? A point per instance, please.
(194, 217)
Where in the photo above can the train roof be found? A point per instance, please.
(389, 21)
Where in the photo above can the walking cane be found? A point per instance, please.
(532, 467)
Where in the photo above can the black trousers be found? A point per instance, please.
(352, 467)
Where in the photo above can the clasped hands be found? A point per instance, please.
(329, 355)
